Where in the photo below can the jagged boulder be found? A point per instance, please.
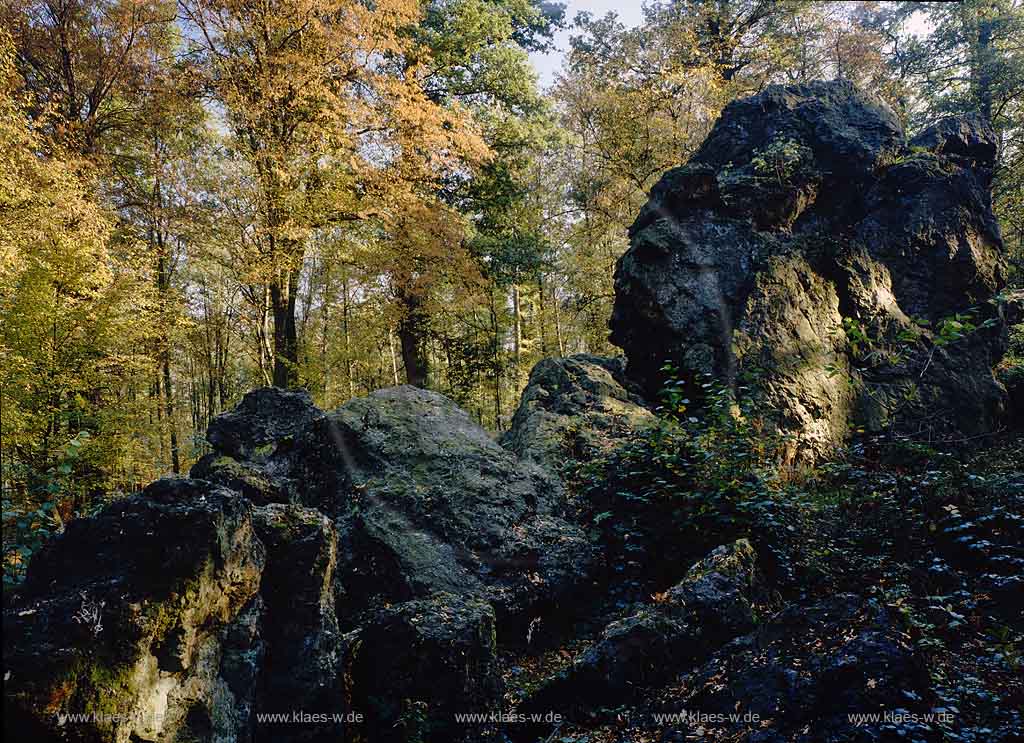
(807, 242)
(415, 669)
(143, 621)
(711, 605)
(573, 409)
(300, 624)
(253, 443)
(423, 499)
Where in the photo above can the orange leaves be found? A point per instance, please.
(326, 99)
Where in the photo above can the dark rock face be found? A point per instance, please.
(573, 408)
(318, 547)
(423, 500)
(807, 671)
(301, 631)
(711, 605)
(417, 665)
(264, 423)
(806, 207)
(144, 617)
(368, 575)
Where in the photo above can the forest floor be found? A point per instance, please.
(937, 538)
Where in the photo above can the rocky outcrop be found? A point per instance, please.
(423, 499)
(144, 620)
(809, 245)
(300, 589)
(573, 409)
(418, 667)
(315, 546)
(808, 671)
(711, 605)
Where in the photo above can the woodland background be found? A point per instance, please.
(202, 197)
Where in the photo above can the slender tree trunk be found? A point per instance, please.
(496, 350)
(558, 324)
(345, 331)
(981, 73)
(154, 394)
(169, 410)
(164, 285)
(325, 319)
(266, 351)
(517, 338)
(542, 318)
(394, 357)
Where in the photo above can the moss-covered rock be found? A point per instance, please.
(300, 624)
(122, 619)
(573, 409)
(808, 245)
(423, 498)
(416, 667)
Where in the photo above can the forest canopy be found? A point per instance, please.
(203, 197)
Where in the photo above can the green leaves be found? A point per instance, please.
(35, 520)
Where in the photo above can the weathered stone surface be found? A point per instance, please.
(572, 409)
(711, 605)
(804, 208)
(134, 617)
(417, 665)
(265, 423)
(793, 327)
(807, 671)
(424, 500)
(436, 505)
(300, 625)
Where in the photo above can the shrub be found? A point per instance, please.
(701, 476)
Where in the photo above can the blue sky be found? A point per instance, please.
(547, 65)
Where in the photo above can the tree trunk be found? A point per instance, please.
(542, 318)
(345, 330)
(169, 410)
(163, 279)
(496, 349)
(517, 338)
(286, 348)
(982, 66)
(558, 324)
(394, 358)
(412, 335)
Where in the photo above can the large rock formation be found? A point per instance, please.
(422, 497)
(809, 243)
(400, 671)
(311, 551)
(143, 621)
(573, 409)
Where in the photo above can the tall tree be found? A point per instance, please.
(479, 64)
(83, 60)
(73, 317)
(322, 95)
